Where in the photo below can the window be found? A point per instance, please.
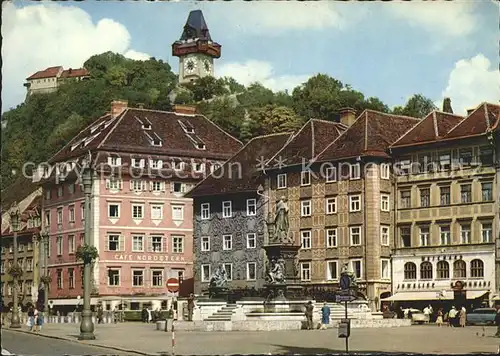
(113, 184)
(251, 207)
(156, 243)
(404, 166)
(178, 166)
(305, 178)
(114, 161)
(445, 195)
(445, 161)
(227, 242)
(305, 208)
(114, 210)
(180, 275)
(71, 278)
(138, 278)
(425, 270)
(177, 244)
(59, 216)
(465, 234)
(157, 186)
(384, 202)
(331, 174)
(476, 269)
(59, 243)
(331, 238)
(331, 205)
(445, 235)
(59, 191)
(385, 171)
(355, 171)
(305, 240)
(385, 269)
(425, 197)
(332, 270)
(281, 181)
(384, 236)
(487, 232)
(405, 199)
(137, 243)
(466, 193)
(59, 275)
(205, 211)
(156, 163)
(357, 268)
(424, 236)
(459, 269)
(487, 191)
(47, 218)
(199, 167)
(71, 244)
(157, 277)
(486, 155)
(214, 167)
(465, 156)
(355, 235)
(443, 270)
(227, 210)
(71, 213)
(177, 212)
(251, 240)
(137, 185)
(305, 271)
(228, 267)
(178, 187)
(410, 271)
(115, 243)
(354, 203)
(47, 194)
(137, 211)
(205, 273)
(82, 211)
(251, 271)
(156, 211)
(205, 243)
(29, 264)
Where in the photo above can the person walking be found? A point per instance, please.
(497, 321)
(325, 316)
(452, 316)
(144, 315)
(463, 317)
(309, 315)
(100, 313)
(190, 306)
(427, 314)
(31, 318)
(150, 317)
(439, 319)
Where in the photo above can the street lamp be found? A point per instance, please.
(14, 219)
(87, 325)
(46, 279)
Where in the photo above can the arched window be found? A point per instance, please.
(410, 270)
(425, 270)
(443, 270)
(459, 269)
(476, 268)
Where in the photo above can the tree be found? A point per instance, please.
(275, 119)
(417, 106)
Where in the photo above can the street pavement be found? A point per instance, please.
(145, 339)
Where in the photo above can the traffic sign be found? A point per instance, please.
(344, 298)
(173, 285)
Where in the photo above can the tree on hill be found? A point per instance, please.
(417, 106)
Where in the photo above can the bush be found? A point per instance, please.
(132, 315)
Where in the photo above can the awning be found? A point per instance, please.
(72, 301)
(473, 294)
(411, 296)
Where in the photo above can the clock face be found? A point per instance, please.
(189, 66)
(207, 65)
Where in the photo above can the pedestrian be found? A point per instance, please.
(190, 306)
(439, 319)
(325, 316)
(35, 319)
(463, 317)
(31, 318)
(114, 314)
(452, 316)
(309, 315)
(427, 314)
(150, 317)
(497, 320)
(144, 315)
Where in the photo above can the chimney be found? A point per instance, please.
(447, 106)
(117, 107)
(184, 109)
(347, 116)
(470, 111)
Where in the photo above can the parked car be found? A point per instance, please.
(417, 316)
(482, 316)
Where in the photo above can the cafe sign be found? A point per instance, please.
(149, 258)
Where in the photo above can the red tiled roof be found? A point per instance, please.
(71, 73)
(309, 141)
(242, 172)
(370, 135)
(46, 73)
(431, 128)
(486, 117)
(125, 134)
(17, 191)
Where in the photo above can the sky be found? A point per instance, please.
(390, 50)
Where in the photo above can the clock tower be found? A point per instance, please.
(195, 49)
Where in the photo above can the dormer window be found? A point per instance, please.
(187, 126)
(178, 166)
(146, 125)
(201, 146)
(137, 163)
(215, 166)
(114, 161)
(156, 163)
(199, 167)
(156, 142)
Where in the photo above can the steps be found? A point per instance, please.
(224, 314)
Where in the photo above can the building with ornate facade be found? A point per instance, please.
(447, 209)
(143, 161)
(229, 217)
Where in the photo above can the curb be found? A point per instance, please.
(80, 342)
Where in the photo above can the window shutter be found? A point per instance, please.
(171, 187)
(107, 183)
(165, 244)
(120, 184)
(150, 186)
(150, 244)
(122, 243)
(131, 184)
(160, 164)
(141, 163)
(106, 246)
(143, 185)
(162, 186)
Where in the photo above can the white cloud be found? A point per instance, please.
(472, 82)
(452, 18)
(138, 56)
(259, 71)
(39, 36)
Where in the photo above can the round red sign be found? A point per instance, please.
(173, 285)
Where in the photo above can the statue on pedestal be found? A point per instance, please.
(277, 271)
(281, 224)
(219, 278)
(346, 271)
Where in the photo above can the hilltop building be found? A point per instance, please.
(48, 80)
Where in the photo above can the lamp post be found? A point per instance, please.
(14, 219)
(87, 325)
(45, 241)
